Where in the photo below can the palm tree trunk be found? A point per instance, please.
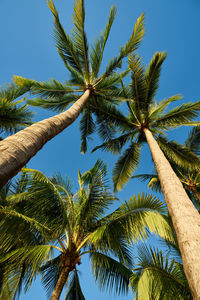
(18, 149)
(60, 283)
(185, 218)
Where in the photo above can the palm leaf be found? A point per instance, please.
(74, 291)
(193, 139)
(126, 165)
(79, 36)
(178, 154)
(87, 127)
(131, 45)
(64, 43)
(152, 76)
(96, 54)
(110, 273)
(156, 277)
(178, 116)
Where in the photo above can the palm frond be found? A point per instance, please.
(193, 140)
(138, 84)
(96, 54)
(50, 272)
(87, 127)
(64, 43)
(131, 46)
(152, 76)
(110, 274)
(79, 36)
(153, 181)
(178, 116)
(156, 277)
(126, 165)
(74, 291)
(178, 154)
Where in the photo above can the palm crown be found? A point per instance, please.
(74, 224)
(145, 113)
(84, 64)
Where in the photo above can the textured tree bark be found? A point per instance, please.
(18, 149)
(185, 218)
(60, 283)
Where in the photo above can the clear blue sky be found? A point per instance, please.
(28, 49)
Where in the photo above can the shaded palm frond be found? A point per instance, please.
(153, 181)
(178, 154)
(50, 272)
(87, 127)
(110, 274)
(126, 165)
(74, 291)
(193, 140)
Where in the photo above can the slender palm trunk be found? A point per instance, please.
(60, 283)
(18, 149)
(185, 218)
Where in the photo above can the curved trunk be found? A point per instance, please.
(185, 218)
(18, 149)
(60, 283)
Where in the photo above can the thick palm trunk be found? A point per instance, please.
(60, 283)
(18, 149)
(185, 218)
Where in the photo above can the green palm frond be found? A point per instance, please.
(126, 165)
(97, 198)
(133, 221)
(74, 291)
(87, 127)
(97, 51)
(152, 76)
(131, 45)
(158, 277)
(30, 257)
(110, 274)
(50, 273)
(64, 43)
(178, 154)
(79, 36)
(156, 109)
(153, 181)
(178, 116)
(193, 139)
(42, 189)
(115, 145)
(13, 117)
(138, 84)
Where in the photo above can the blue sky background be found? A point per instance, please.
(28, 49)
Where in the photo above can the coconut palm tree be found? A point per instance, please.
(12, 116)
(86, 85)
(75, 224)
(146, 122)
(189, 177)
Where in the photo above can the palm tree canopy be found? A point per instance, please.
(84, 63)
(145, 113)
(51, 216)
(12, 116)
